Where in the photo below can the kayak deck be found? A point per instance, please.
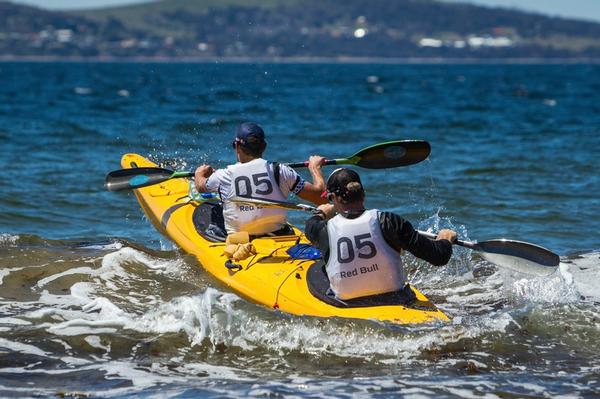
(272, 277)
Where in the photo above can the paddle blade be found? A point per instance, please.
(519, 256)
(127, 179)
(392, 154)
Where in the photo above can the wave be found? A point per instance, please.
(119, 310)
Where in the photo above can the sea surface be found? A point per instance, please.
(95, 303)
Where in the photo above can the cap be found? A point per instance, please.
(246, 130)
(339, 179)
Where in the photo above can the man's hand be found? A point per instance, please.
(315, 162)
(312, 190)
(327, 210)
(446, 234)
(202, 173)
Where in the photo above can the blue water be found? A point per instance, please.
(515, 152)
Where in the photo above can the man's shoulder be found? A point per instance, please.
(283, 167)
(292, 179)
(392, 220)
(387, 214)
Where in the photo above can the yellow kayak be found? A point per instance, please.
(272, 277)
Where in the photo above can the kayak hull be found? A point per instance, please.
(271, 278)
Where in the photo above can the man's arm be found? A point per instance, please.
(312, 191)
(400, 234)
(316, 231)
(201, 175)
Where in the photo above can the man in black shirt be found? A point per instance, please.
(362, 247)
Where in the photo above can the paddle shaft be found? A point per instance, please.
(182, 174)
(304, 164)
(466, 244)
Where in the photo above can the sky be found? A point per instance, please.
(582, 9)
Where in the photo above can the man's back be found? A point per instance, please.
(259, 179)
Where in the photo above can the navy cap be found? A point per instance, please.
(248, 129)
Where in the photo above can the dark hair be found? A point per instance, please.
(346, 184)
(253, 147)
(353, 192)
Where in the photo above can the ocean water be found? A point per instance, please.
(94, 302)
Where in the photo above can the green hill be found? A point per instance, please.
(150, 17)
(295, 28)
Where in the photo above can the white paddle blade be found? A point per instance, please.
(519, 256)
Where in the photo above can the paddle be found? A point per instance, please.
(127, 179)
(266, 203)
(519, 256)
(383, 155)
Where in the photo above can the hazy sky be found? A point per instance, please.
(587, 9)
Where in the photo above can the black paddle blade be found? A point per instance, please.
(127, 179)
(519, 256)
(392, 154)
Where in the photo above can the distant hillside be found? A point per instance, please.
(295, 28)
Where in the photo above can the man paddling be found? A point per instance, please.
(362, 247)
(253, 176)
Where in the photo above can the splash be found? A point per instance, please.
(8, 239)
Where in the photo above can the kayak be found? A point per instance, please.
(279, 276)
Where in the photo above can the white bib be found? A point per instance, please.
(253, 179)
(361, 262)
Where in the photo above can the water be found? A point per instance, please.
(93, 301)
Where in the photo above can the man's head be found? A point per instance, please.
(250, 139)
(344, 185)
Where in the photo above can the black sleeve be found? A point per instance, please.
(400, 234)
(316, 232)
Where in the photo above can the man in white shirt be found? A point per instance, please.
(253, 176)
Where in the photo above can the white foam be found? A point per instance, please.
(22, 348)
(85, 312)
(585, 272)
(140, 379)
(14, 321)
(6, 272)
(553, 289)
(111, 266)
(112, 263)
(98, 316)
(201, 316)
(95, 342)
(563, 269)
(112, 245)
(331, 338)
(213, 317)
(92, 308)
(75, 361)
(77, 270)
(530, 387)
(10, 239)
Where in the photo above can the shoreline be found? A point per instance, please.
(301, 60)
